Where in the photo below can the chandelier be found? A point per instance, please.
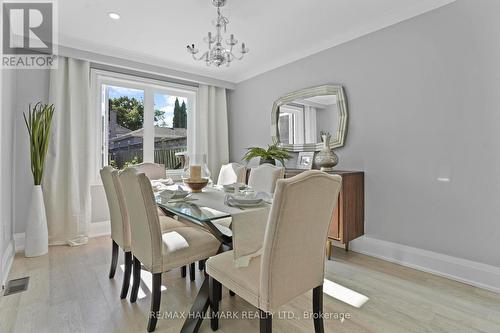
(217, 54)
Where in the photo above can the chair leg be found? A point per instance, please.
(126, 274)
(318, 309)
(215, 295)
(192, 271)
(183, 271)
(201, 265)
(155, 302)
(137, 280)
(266, 322)
(114, 260)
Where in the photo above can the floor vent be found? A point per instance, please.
(16, 286)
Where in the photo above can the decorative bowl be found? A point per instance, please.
(196, 185)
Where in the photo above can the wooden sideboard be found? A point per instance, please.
(349, 215)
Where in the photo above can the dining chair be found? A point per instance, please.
(158, 171)
(229, 174)
(120, 227)
(264, 177)
(152, 170)
(295, 236)
(158, 251)
(232, 173)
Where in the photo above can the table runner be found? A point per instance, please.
(248, 225)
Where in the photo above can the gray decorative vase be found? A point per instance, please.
(326, 159)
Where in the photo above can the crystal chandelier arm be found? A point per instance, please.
(202, 57)
(243, 51)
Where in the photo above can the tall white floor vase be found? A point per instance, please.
(37, 236)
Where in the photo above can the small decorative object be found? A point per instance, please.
(269, 155)
(196, 174)
(38, 122)
(326, 159)
(305, 160)
(217, 54)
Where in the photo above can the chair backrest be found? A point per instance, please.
(145, 228)
(264, 177)
(120, 228)
(294, 244)
(232, 173)
(152, 170)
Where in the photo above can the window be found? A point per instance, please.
(142, 120)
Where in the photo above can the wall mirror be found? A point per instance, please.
(298, 118)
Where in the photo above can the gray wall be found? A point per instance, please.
(7, 108)
(32, 87)
(424, 102)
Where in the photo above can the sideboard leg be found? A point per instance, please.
(347, 246)
(329, 249)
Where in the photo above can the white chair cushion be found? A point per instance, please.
(184, 245)
(244, 281)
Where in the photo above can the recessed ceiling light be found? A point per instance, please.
(114, 16)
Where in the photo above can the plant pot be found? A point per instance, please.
(270, 161)
(37, 238)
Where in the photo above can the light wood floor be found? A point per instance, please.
(70, 291)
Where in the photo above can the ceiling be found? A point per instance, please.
(277, 32)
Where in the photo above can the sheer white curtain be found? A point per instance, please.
(210, 127)
(70, 165)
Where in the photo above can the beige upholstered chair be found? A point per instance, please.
(157, 171)
(158, 251)
(232, 173)
(152, 170)
(264, 177)
(120, 228)
(295, 238)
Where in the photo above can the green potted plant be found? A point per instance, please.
(38, 122)
(270, 155)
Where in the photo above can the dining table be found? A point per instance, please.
(245, 236)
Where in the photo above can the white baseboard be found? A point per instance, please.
(466, 271)
(6, 262)
(19, 241)
(95, 230)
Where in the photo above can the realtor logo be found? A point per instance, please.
(28, 38)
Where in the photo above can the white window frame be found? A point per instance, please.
(150, 87)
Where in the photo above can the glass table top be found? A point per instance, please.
(191, 210)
